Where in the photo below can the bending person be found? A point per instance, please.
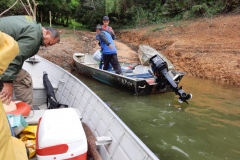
(29, 36)
(109, 50)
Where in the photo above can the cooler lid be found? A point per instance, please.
(60, 126)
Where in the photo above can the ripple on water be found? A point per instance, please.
(170, 124)
(179, 150)
(212, 115)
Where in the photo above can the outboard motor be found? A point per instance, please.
(162, 78)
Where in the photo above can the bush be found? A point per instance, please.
(215, 7)
(199, 10)
(159, 28)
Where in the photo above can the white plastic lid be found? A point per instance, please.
(60, 126)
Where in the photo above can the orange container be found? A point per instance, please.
(22, 108)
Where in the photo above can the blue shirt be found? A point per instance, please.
(105, 41)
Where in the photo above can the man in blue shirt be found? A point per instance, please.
(111, 32)
(108, 49)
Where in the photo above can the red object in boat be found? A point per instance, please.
(150, 81)
(80, 157)
(22, 108)
(57, 149)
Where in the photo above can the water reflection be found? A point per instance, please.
(208, 128)
(217, 102)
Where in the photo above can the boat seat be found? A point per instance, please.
(35, 115)
(144, 75)
(123, 70)
(103, 140)
(39, 92)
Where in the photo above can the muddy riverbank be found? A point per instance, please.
(206, 48)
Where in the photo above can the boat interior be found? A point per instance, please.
(119, 142)
(133, 71)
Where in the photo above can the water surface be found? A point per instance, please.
(207, 129)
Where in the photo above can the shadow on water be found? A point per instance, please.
(208, 128)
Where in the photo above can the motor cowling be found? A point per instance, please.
(162, 78)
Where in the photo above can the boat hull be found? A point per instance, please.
(136, 87)
(133, 85)
(145, 52)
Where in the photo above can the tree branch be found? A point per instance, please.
(25, 8)
(8, 8)
(30, 7)
(35, 9)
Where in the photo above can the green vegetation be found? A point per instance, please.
(122, 13)
(159, 28)
(69, 34)
(72, 25)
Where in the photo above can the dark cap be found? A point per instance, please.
(105, 18)
(99, 27)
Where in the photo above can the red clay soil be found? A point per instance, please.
(83, 42)
(206, 48)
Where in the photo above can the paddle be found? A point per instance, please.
(132, 68)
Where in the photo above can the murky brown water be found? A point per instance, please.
(207, 129)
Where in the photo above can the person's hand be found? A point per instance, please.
(6, 94)
(112, 32)
(110, 46)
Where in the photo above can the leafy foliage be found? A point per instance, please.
(17, 9)
(122, 13)
(199, 9)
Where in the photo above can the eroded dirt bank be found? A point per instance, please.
(204, 48)
(82, 42)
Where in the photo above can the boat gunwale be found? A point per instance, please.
(125, 127)
(142, 48)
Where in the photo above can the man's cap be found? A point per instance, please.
(105, 18)
(99, 27)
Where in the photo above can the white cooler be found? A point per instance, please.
(60, 135)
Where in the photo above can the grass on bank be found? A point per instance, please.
(72, 25)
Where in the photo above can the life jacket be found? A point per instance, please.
(109, 29)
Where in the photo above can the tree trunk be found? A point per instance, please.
(53, 18)
(58, 18)
(67, 21)
(62, 20)
(35, 9)
(50, 16)
(41, 16)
